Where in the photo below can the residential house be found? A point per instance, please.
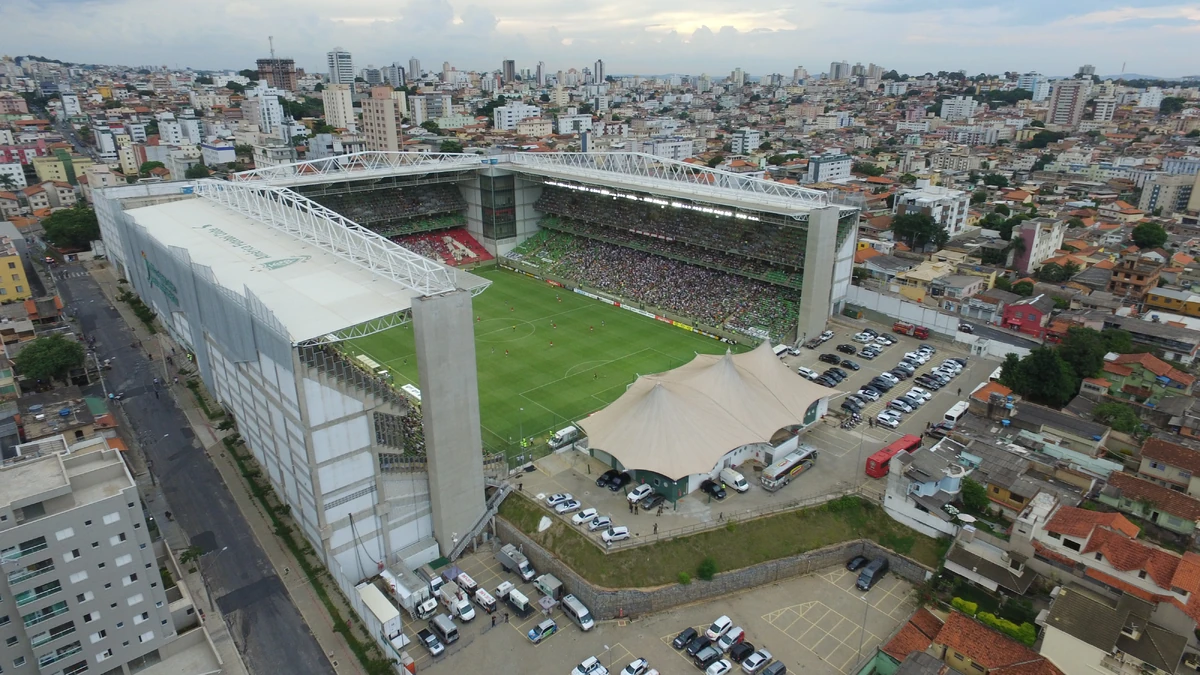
(968, 646)
(1063, 429)
(1143, 378)
(988, 305)
(1121, 212)
(1087, 632)
(1171, 464)
(975, 557)
(916, 284)
(886, 267)
(1042, 238)
(1029, 315)
(922, 483)
(1174, 300)
(953, 290)
(36, 197)
(1175, 342)
(1167, 508)
(1133, 277)
(10, 206)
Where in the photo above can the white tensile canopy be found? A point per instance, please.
(683, 421)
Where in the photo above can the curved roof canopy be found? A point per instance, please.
(683, 421)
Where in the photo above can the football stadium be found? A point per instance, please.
(389, 330)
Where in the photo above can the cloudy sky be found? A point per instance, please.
(1156, 37)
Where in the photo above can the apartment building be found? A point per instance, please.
(81, 586)
(833, 166)
(745, 141)
(959, 108)
(1133, 277)
(1068, 98)
(13, 285)
(1170, 193)
(946, 206)
(339, 106)
(382, 119)
(1042, 237)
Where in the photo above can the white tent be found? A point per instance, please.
(683, 421)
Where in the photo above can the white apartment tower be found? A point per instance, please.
(947, 207)
(341, 67)
(414, 69)
(1106, 106)
(81, 586)
(541, 73)
(959, 108)
(799, 75)
(598, 72)
(745, 141)
(339, 106)
(505, 117)
(1067, 101)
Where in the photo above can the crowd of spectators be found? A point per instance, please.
(390, 207)
(708, 296)
(738, 237)
(453, 247)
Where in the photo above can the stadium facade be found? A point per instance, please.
(259, 281)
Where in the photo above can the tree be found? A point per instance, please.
(1118, 416)
(1043, 138)
(197, 171)
(203, 79)
(1074, 223)
(995, 180)
(1149, 235)
(1083, 349)
(243, 150)
(866, 169)
(1038, 124)
(1171, 105)
(918, 229)
(544, 98)
(1003, 210)
(715, 160)
(1011, 373)
(776, 160)
(1046, 378)
(979, 196)
(1117, 340)
(235, 87)
(147, 167)
(908, 179)
(320, 88)
(50, 358)
(974, 496)
(7, 182)
(765, 146)
(451, 146)
(1194, 133)
(1023, 288)
(249, 74)
(73, 228)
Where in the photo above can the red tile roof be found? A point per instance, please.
(1157, 366)
(988, 389)
(990, 649)
(1172, 453)
(1076, 522)
(1164, 499)
(1117, 369)
(1130, 555)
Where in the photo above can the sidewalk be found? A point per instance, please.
(299, 589)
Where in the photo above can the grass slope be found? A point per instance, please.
(733, 547)
(597, 351)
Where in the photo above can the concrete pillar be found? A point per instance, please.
(819, 256)
(445, 338)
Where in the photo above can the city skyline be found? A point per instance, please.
(644, 38)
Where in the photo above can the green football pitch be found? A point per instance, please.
(547, 356)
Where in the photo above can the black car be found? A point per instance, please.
(619, 481)
(959, 360)
(713, 488)
(740, 651)
(847, 363)
(847, 349)
(651, 501)
(966, 328)
(699, 642)
(870, 331)
(881, 384)
(829, 358)
(841, 372)
(855, 564)
(831, 374)
(900, 374)
(825, 381)
(858, 400)
(850, 406)
(928, 383)
(684, 639)
(871, 387)
(607, 476)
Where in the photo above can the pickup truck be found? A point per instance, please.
(431, 641)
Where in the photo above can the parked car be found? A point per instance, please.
(713, 488)
(962, 361)
(618, 533)
(756, 661)
(888, 421)
(926, 347)
(652, 501)
(871, 331)
(868, 354)
(913, 403)
(740, 651)
(542, 631)
(841, 372)
(719, 667)
(590, 666)
(706, 657)
(966, 328)
(869, 394)
(599, 522)
(890, 378)
(834, 375)
(827, 336)
(558, 498)
(621, 480)
(886, 339)
(639, 493)
(906, 366)
(808, 373)
(856, 562)
(872, 573)
(734, 636)
(858, 400)
(919, 357)
(584, 516)
(847, 349)
(850, 407)
(684, 638)
(920, 392)
(900, 375)
(829, 358)
(607, 476)
(697, 644)
(826, 381)
(847, 363)
(567, 507)
(882, 384)
(897, 404)
(719, 627)
(862, 337)
(776, 668)
(939, 430)
(636, 667)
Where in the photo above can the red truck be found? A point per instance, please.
(905, 328)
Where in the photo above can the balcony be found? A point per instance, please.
(75, 669)
(45, 590)
(26, 548)
(53, 634)
(46, 614)
(37, 569)
(59, 654)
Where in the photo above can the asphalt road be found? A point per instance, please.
(267, 627)
(1008, 337)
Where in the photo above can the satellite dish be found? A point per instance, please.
(966, 518)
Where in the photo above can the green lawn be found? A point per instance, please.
(527, 386)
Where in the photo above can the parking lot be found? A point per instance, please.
(820, 623)
(843, 452)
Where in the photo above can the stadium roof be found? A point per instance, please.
(311, 289)
(683, 421)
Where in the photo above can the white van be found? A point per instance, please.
(563, 437)
(780, 350)
(444, 627)
(734, 480)
(575, 610)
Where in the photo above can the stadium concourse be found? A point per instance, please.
(674, 430)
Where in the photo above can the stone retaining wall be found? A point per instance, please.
(610, 604)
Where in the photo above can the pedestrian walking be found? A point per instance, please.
(656, 528)
(520, 487)
(493, 621)
(176, 380)
(506, 617)
(155, 393)
(960, 391)
(631, 507)
(493, 350)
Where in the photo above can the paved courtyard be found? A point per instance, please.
(817, 623)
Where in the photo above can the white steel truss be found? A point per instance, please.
(377, 325)
(361, 166)
(649, 172)
(281, 209)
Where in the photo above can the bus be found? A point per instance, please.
(955, 413)
(995, 376)
(783, 471)
(877, 464)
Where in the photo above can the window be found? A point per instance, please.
(1055, 535)
(108, 585)
(87, 523)
(95, 544)
(124, 560)
(16, 277)
(73, 554)
(12, 265)
(134, 600)
(1073, 545)
(12, 641)
(64, 534)
(18, 662)
(1155, 465)
(1141, 574)
(101, 566)
(85, 596)
(141, 618)
(20, 289)
(4, 620)
(90, 617)
(79, 576)
(129, 579)
(106, 654)
(96, 637)
(116, 539)
(146, 637)
(112, 518)
(1099, 556)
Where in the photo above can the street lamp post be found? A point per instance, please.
(207, 592)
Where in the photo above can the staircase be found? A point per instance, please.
(493, 507)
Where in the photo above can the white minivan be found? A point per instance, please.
(734, 479)
(563, 437)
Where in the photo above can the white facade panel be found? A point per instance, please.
(325, 404)
(346, 471)
(341, 439)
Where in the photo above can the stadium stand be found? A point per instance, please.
(710, 296)
(404, 210)
(453, 247)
